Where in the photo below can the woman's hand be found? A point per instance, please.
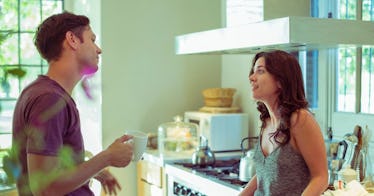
(108, 182)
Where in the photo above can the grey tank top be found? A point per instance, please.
(283, 172)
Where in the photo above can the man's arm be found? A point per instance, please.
(46, 176)
(109, 183)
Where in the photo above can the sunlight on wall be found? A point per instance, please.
(90, 110)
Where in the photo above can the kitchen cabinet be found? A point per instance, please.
(151, 179)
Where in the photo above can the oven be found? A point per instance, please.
(183, 178)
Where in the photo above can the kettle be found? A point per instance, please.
(247, 166)
(203, 156)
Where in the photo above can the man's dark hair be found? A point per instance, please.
(51, 33)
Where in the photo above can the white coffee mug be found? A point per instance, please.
(139, 140)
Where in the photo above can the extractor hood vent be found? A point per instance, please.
(288, 33)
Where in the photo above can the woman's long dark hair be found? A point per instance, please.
(285, 69)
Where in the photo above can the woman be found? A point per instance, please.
(290, 157)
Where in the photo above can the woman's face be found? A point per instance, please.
(264, 87)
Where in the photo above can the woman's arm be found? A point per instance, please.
(250, 188)
(307, 138)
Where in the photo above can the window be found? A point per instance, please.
(19, 20)
(309, 66)
(355, 85)
(367, 81)
(367, 68)
(345, 75)
(346, 80)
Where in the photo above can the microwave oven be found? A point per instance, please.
(224, 131)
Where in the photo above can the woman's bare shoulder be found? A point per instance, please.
(300, 116)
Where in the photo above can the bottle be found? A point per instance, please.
(329, 134)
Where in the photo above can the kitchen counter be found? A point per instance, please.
(8, 190)
(176, 175)
(184, 180)
(151, 178)
(154, 156)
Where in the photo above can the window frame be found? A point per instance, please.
(7, 103)
(344, 122)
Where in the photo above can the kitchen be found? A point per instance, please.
(138, 48)
(232, 66)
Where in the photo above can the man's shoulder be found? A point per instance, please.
(42, 86)
(42, 82)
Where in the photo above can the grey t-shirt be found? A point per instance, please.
(282, 172)
(46, 122)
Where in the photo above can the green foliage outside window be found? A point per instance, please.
(347, 68)
(18, 55)
(20, 62)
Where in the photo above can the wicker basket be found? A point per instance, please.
(218, 97)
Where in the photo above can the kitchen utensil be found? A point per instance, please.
(203, 156)
(336, 150)
(357, 156)
(247, 166)
(336, 159)
(351, 140)
(342, 152)
(367, 161)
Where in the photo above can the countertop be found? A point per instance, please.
(154, 156)
(6, 188)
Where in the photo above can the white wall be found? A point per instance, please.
(235, 71)
(90, 109)
(143, 82)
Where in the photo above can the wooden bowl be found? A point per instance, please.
(218, 97)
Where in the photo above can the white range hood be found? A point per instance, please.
(287, 33)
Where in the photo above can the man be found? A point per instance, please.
(47, 139)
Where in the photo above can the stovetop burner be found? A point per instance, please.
(217, 164)
(224, 170)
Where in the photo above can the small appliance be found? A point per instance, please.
(224, 131)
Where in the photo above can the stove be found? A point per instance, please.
(222, 178)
